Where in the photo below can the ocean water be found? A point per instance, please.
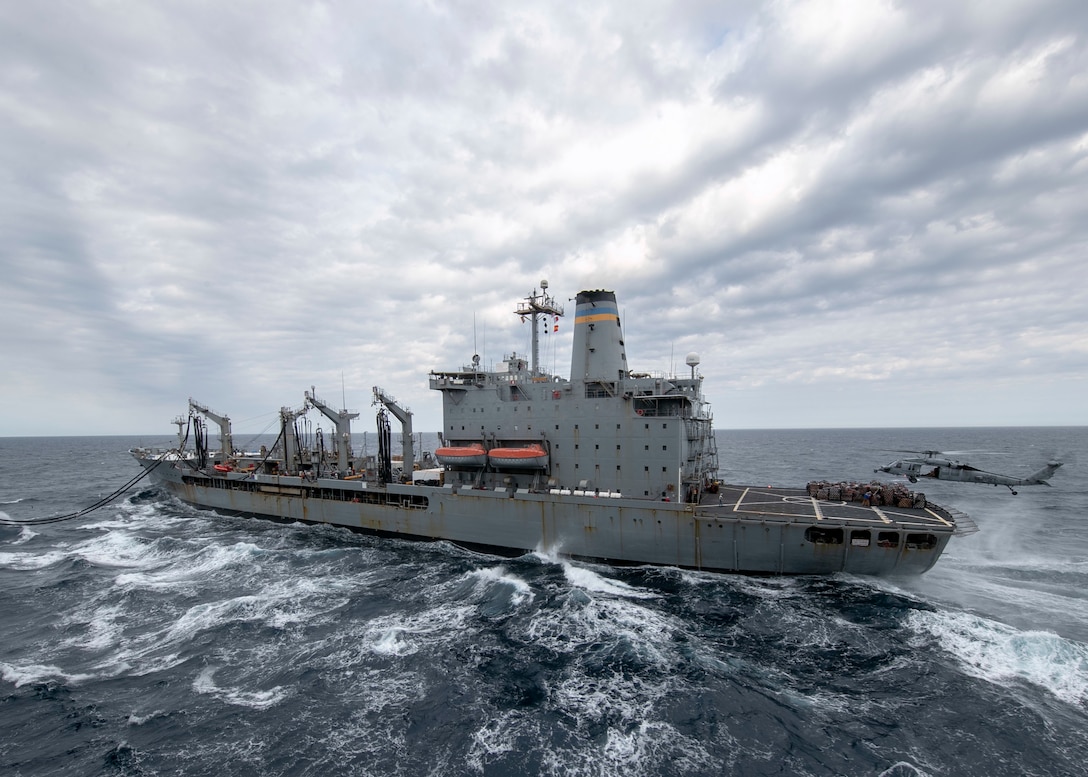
(152, 638)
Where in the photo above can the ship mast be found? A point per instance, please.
(535, 305)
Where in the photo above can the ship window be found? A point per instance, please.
(860, 539)
(646, 468)
(576, 426)
(664, 426)
(557, 427)
(645, 447)
(647, 426)
(617, 446)
(597, 447)
(617, 426)
(664, 469)
(822, 536)
(575, 446)
(617, 468)
(887, 539)
(921, 542)
(664, 447)
(596, 426)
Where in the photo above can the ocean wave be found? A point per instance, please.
(31, 560)
(203, 564)
(996, 653)
(25, 674)
(259, 700)
(403, 635)
(26, 534)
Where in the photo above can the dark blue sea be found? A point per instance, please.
(152, 638)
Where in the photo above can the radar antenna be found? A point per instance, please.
(535, 305)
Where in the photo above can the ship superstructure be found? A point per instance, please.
(604, 430)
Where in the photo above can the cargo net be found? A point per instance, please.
(880, 494)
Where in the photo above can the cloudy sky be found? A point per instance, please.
(858, 214)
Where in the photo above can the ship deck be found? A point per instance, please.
(792, 505)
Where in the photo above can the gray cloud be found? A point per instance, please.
(857, 215)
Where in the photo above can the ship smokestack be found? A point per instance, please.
(598, 353)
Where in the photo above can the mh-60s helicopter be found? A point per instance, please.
(934, 464)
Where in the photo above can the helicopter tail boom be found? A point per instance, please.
(1044, 474)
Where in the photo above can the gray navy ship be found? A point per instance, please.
(609, 465)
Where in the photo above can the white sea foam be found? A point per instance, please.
(399, 635)
(389, 643)
(494, 738)
(27, 561)
(36, 673)
(276, 606)
(120, 550)
(260, 700)
(521, 594)
(25, 535)
(102, 629)
(997, 653)
(139, 720)
(903, 769)
(588, 580)
(200, 567)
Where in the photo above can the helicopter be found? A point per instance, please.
(937, 465)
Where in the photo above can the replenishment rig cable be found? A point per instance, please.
(79, 513)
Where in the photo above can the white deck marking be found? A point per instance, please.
(939, 518)
(816, 509)
(881, 514)
(736, 505)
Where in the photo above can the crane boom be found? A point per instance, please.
(226, 439)
(405, 417)
(342, 419)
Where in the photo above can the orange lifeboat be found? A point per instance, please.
(462, 456)
(531, 457)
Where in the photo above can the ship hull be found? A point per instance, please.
(752, 531)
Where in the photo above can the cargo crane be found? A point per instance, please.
(226, 440)
(342, 419)
(405, 417)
